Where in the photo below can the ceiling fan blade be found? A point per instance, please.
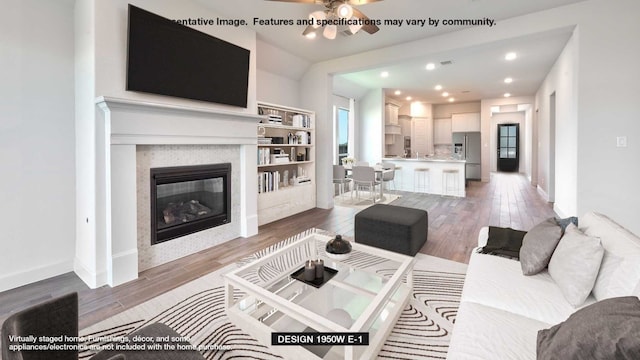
(301, 1)
(370, 28)
(308, 30)
(361, 2)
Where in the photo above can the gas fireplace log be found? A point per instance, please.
(184, 212)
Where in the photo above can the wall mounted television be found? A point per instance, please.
(168, 58)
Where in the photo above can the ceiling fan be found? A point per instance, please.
(338, 13)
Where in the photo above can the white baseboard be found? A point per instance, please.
(124, 267)
(17, 279)
(562, 214)
(249, 226)
(92, 279)
(542, 193)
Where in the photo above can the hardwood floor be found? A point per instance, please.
(507, 200)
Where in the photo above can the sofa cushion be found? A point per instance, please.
(575, 264)
(538, 246)
(498, 282)
(607, 329)
(620, 269)
(483, 332)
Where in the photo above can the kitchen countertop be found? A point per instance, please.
(429, 158)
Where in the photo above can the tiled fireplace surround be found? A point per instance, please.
(140, 135)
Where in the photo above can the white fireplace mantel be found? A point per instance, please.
(121, 125)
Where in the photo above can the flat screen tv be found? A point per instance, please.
(168, 58)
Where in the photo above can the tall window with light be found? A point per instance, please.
(343, 134)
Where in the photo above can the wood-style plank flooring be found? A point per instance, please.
(508, 200)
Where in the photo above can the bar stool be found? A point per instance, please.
(421, 180)
(399, 176)
(446, 189)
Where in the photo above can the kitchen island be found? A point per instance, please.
(404, 178)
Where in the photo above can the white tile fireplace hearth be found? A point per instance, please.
(131, 137)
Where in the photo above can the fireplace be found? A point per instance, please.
(188, 199)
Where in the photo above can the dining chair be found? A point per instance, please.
(364, 177)
(389, 174)
(340, 178)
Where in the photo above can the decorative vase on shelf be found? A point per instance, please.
(338, 248)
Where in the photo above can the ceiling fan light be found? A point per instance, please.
(344, 11)
(330, 32)
(355, 25)
(317, 17)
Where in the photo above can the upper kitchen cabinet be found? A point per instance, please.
(391, 114)
(442, 131)
(392, 130)
(465, 122)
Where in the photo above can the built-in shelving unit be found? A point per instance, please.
(286, 162)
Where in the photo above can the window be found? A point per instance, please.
(342, 134)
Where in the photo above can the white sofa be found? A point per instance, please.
(502, 310)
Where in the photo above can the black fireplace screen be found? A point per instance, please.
(187, 199)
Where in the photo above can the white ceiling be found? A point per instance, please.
(480, 71)
(475, 73)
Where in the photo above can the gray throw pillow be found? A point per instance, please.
(538, 246)
(607, 329)
(566, 221)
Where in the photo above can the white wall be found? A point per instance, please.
(561, 80)
(277, 89)
(608, 94)
(36, 141)
(278, 75)
(370, 130)
(446, 110)
(101, 38)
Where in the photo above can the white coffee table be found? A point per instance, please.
(363, 299)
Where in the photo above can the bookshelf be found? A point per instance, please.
(285, 161)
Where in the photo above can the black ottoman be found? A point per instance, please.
(395, 228)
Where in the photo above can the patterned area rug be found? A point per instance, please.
(346, 200)
(196, 310)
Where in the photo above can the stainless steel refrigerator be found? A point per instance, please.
(467, 145)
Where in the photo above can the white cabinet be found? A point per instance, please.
(466, 122)
(286, 146)
(391, 114)
(421, 136)
(442, 131)
(405, 124)
(392, 131)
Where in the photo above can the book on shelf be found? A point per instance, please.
(268, 181)
(301, 120)
(264, 156)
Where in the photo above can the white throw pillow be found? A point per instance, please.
(622, 281)
(575, 264)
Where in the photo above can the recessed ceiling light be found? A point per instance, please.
(507, 94)
(409, 98)
(431, 66)
(311, 35)
(384, 74)
(510, 56)
(451, 99)
(438, 87)
(398, 92)
(508, 80)
(445, 94)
